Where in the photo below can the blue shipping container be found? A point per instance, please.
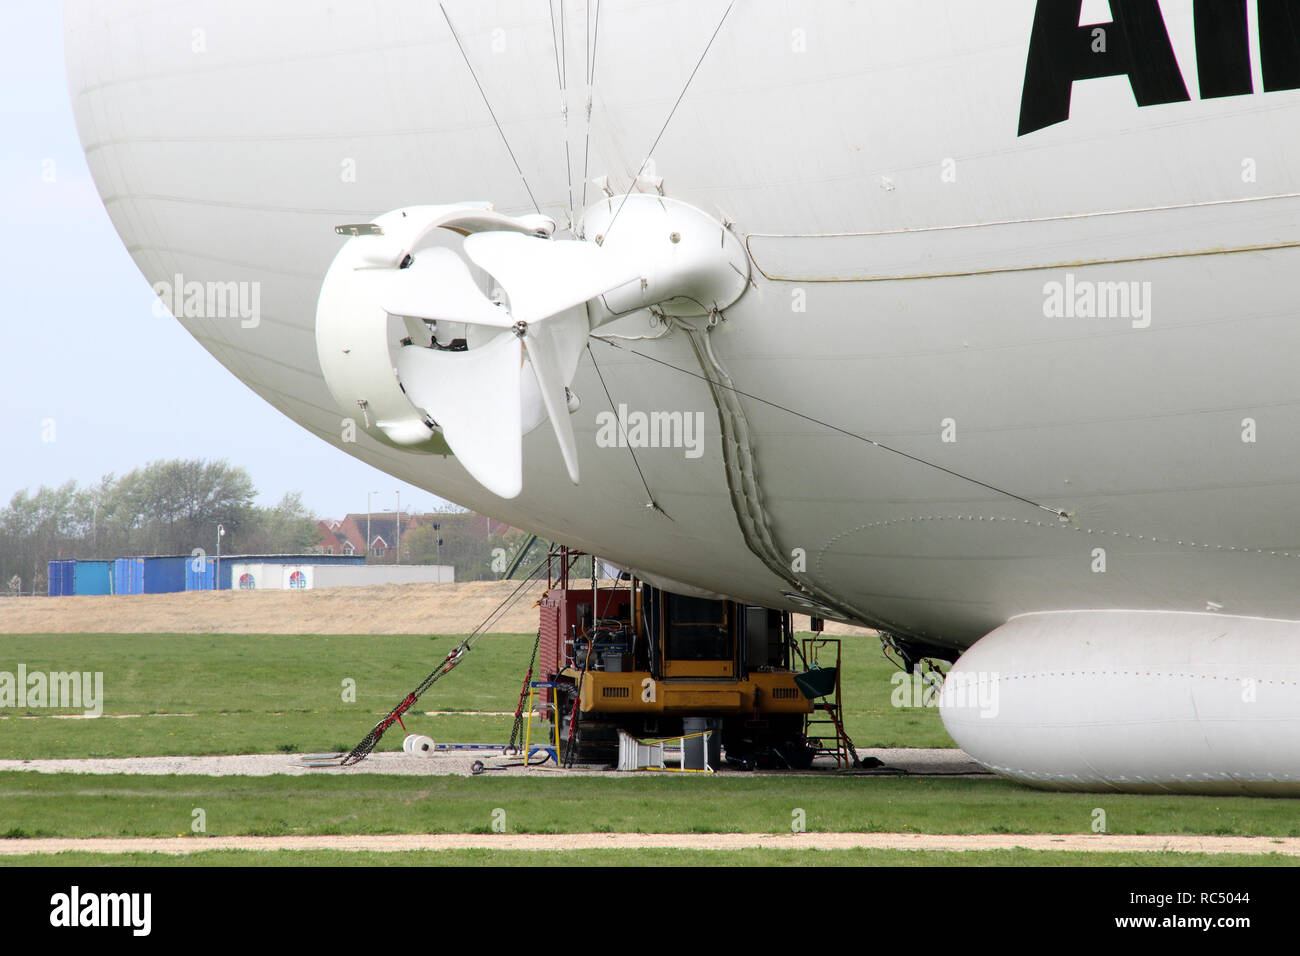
(128, 576)
(61, 576)
(200, 573)
(92, 577)
(165, 575)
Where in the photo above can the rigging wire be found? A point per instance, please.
(652, 504)
(491, 111)
(593, 36)
(671, 114)
(1062, 515)
(558, 44)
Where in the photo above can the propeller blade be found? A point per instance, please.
(474, 398)
(544, 356)
(545, 277)
(438, 286)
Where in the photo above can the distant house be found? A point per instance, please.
(348, 536)
(342, 537)
(383, 532)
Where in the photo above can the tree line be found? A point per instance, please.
(165, 507)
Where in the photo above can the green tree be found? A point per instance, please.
(286, 528)
(164, 507)
(35, 529)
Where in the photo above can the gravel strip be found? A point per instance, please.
(1097, 843)
(445, 763)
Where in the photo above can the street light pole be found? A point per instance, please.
(216, 571)
(398, 558)
(368, 538)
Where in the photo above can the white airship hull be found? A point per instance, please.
(981, 372)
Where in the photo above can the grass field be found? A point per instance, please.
(235, 694)
(68, 805)
(221, 694)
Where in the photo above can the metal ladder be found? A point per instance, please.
(551, 724)
(824, 726)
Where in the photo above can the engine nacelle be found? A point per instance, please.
(496, 328)
(1133, 701)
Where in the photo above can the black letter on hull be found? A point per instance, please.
(1222, 48)
(1279, 47)
(1061, 52)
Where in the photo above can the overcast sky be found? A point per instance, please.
(74, 350)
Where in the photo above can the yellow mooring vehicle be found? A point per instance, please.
(655, 664)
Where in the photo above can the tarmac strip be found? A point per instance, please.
(388, 843)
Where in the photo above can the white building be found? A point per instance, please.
(252, 575)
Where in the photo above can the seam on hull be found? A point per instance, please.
(745, 490)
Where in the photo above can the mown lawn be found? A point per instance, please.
(74, 805)
(235, 694)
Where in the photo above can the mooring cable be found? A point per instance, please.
(369, 742)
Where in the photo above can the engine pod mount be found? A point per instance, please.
(691, 264)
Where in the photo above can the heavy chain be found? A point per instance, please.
(517, 732)
(575, 717)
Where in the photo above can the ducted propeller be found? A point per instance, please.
(477, 397)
